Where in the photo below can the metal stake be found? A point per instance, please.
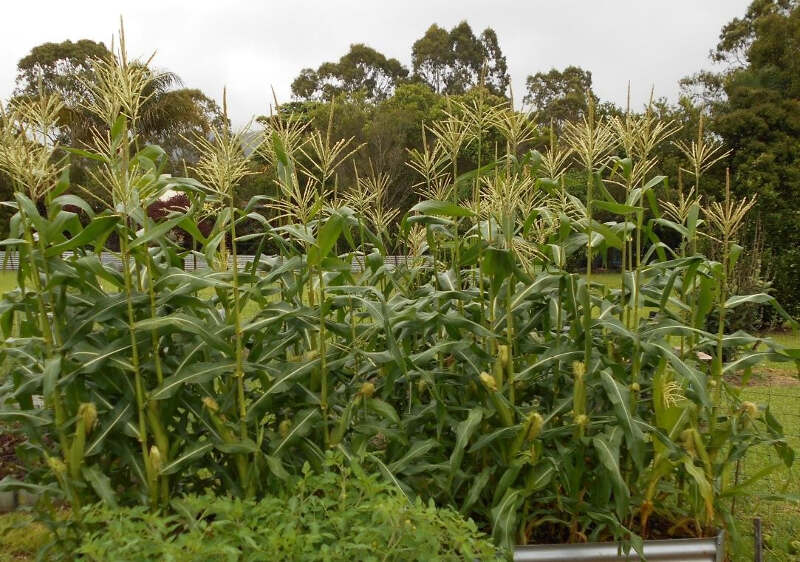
(757, 554)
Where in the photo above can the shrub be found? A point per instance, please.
(340, 514)
(786, 264)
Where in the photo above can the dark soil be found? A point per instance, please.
(10, 464)
(658, 528)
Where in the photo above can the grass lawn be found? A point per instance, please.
(8, 281)
(777, 385)
(780, 519)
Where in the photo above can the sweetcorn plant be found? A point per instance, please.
(481, 374)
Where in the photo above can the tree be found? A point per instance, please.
(170, 112)
(177, 115)
(57, 68)
(560, 96)
(453, 62)
(362, 69)
(755, 108)
(62, 69)
(431, 58)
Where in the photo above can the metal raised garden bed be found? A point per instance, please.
(669, 550)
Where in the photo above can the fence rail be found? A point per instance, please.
(9, 261)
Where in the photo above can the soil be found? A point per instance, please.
(658, 528)
(10, 464)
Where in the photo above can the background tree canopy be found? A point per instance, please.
(63, 69)
(752, 106)
(452, 62)
(560, 96)
(362, 69)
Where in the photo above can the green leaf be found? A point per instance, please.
(299, 429)
(613, 207)
(289, 372)
(187, 455)
(539, 476)
(703, 486)
(674, 226)
(63, 184)
(417, 450)
(101, 484)
(157, 232)
(507, 479)
(276, 467)
(620, 398)
(195, 373)
(243, 446)
(478, 484)
(390, 475)
(441, 208)
(654, 181)
(744, 487)
(608, 453)
(75, 201)
(119, 415)
(85, 154)
(697, 380)
(504, 518)
(34, 417)
(383, 409)
(692, 220)
(502, 434)
(464, 431)
(775, 430)
(187, 323)
(52, 369)
(608, 235)
(497, 264)
(117, 126)
(759, 298)
(327, 236)
(94, 231)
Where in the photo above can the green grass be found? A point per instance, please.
(8, 281)
(788, 339)
(780, 519)
(610, 280)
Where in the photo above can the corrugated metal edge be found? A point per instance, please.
(672, 550)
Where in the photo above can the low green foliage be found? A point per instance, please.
(20, 537)
(340, 514)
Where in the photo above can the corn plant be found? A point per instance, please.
(480, 373)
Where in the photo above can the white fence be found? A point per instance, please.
(10, 261)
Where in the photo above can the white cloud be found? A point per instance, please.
(251, 45)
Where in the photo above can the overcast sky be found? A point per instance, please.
(250, 46)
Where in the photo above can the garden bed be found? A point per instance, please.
(484, 375)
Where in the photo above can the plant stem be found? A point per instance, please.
(323, 367)
(587, 302)
(137, 374)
